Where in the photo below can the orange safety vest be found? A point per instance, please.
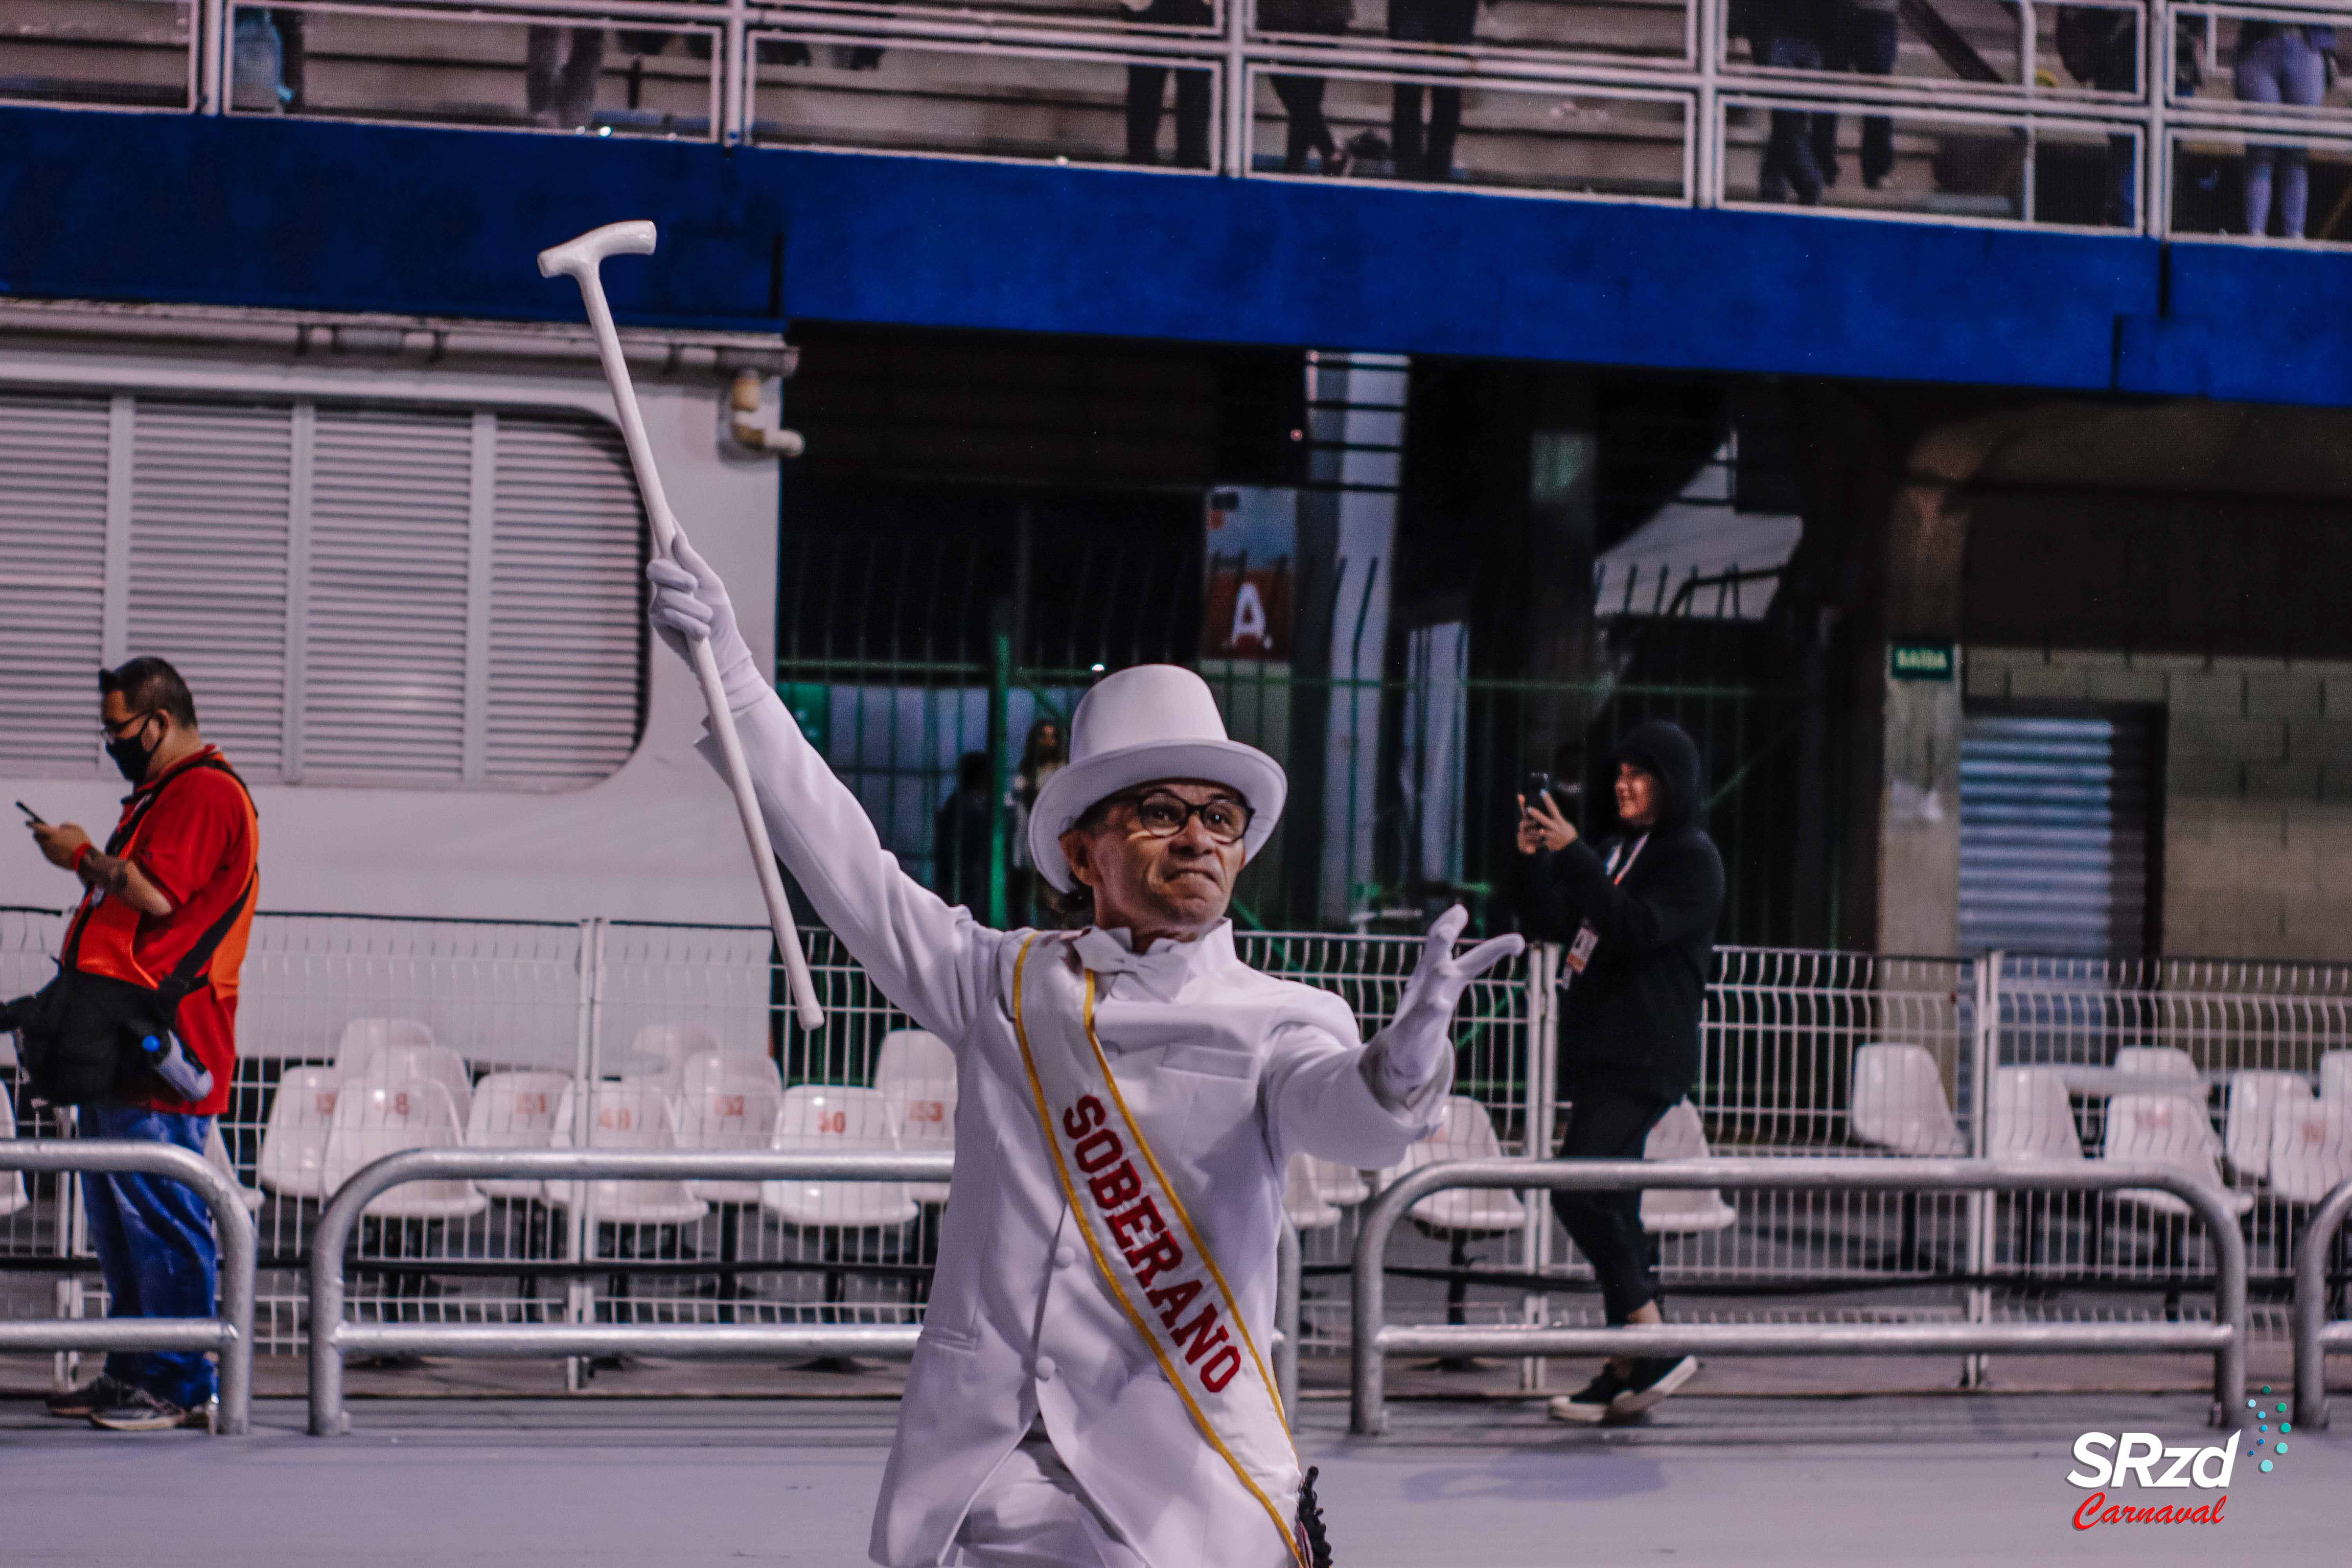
(101, 940)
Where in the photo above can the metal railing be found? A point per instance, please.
(1375, 1339)
(229, 1334)
(333, 1336)
(1980, 115)
(2315, 1336)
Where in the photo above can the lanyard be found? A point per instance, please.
(1618, 872)
(1579, 952)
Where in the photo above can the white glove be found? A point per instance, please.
(1416, 1044)
(689, 604)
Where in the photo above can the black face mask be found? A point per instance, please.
(131, 754)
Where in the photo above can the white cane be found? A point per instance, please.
(579, 259)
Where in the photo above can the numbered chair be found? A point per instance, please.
(727, 1103)
(2169, 1130)
(2177, 1069)
(362, 1037)
(515, 1110)
(2256, 1101)
(216, 1155)
(398, 1059)
(2336, 1075)
(1460, 1216)
(1685, 1211)
(1897, 1103)
(630, 1113)
(294, 1139)
(915, 1074)
(374, 1119)
(2311, 1156)
(13, 1196)
(825, 1118)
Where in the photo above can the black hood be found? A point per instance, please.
(1659, 747)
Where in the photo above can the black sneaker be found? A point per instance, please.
(98, 1393)
(141, 1411)
(1589, 1404)
(1654, 1378)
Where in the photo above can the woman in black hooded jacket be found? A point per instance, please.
(1637, 918)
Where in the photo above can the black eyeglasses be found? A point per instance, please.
(131, 726)
(1163, 814)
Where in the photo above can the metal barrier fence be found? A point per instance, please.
(1376, 1339)
(360, 1036)
(2315, 1334)
(229, 1334)
(2175, 117)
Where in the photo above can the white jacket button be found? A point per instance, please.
(1044, 1369)
(1064, 1255)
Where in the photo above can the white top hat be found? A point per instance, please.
(1139, 726)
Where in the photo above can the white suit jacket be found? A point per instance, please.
(1228, 1071)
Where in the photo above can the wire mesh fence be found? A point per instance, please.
(361, 1035)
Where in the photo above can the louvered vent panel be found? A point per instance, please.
(209, 493)
(52, 582)
(2054, 834)
(384, 696)
(566, 639)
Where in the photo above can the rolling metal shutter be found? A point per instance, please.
(357, 595)
(2054, 834)
(53, 494)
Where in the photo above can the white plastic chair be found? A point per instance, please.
(2254, 1099)
(13, 1196)
(916, 1073)
(1466, 1134)
(2176, 1068)
(362, 1037)
(1680, 1135)
(216, 1155)
(831, 1118)
(1341, 1187)
(373, 1119)
(294, 1139)
(727, 1103)
(1303, 1202)
(2032, 1120)
(515, 1110)
(628, 1114)
(2169, 1130)
(662, 1050)
(398, 1059)
(2311, 1148)
(1897, 1103)
(2336, 1075)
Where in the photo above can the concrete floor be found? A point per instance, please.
(606, 1483)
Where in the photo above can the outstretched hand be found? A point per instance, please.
(690, 606)
(1417, 1041)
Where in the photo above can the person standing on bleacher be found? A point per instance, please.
(1091, 1389)
(139, 1029)
(1637, 916)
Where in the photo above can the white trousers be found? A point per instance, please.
(1031, 1514)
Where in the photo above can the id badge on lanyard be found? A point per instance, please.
(1579, 952)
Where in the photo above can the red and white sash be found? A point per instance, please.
(1152, 1258)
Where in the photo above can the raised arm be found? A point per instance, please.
(1362, 1106)
(934, 961)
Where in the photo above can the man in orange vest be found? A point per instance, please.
(178, 873)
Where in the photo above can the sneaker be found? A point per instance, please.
(1589, 1404)
(141, 1411)
(98, 1393)
(1654, 1378)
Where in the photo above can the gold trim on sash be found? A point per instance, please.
(1079, 1210)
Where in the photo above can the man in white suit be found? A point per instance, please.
(1129, 1098)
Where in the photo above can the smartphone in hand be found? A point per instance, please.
(31, 815)
(1534, 788)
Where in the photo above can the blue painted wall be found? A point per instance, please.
(349, 217)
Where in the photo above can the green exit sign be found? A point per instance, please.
(1920, 661)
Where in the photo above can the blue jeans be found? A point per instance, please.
(156, 1245)
(2281, 68)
